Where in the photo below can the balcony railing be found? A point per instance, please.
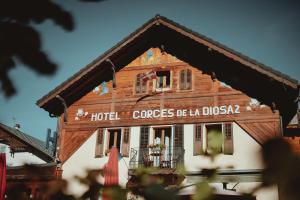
(167, 157)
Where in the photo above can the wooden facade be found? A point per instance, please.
(166, 81)
(260, 121)
(181, 52)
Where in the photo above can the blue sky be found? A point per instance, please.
(266, 31)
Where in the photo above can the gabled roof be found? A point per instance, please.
(38, 147)
(239, 71)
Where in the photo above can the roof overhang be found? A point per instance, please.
(30, 142)
(240, 72)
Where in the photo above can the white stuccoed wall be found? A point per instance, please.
(84, 159)
(246, 156)
(246, 152)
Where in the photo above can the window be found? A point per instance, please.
(213, 138)
(114, 138)
(185, 79)
(162, 136)
(140, 85)
(163, 80)
(119, 138)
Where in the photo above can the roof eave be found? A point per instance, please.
(213, 46)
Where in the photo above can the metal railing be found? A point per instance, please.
(167, 157)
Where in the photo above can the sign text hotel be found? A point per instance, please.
(170, 112)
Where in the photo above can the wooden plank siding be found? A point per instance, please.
(71, 141)
(260, 122)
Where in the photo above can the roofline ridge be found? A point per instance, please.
(44, 150)
(164, 21)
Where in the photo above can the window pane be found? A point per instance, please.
(163, 79)
(181, 82)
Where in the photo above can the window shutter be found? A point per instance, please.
(228, 139)
(126, 142)
(185, 79)
(144, 141)
(198, 140)
(181, 80)
(143, 86)
(144, 137)
(188, 83)
(138, 84)
(178, 136)
(99, 143)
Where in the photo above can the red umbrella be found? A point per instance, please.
(111, 170)
(2, 175)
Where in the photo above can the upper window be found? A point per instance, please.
(140, 84)
(185, 79)
(163, 80)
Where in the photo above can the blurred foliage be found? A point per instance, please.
(215, 141)
(19, 40)
(281, 168)
(203, 191)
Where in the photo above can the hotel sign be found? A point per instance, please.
(169, 113)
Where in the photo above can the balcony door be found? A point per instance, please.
(163, 136)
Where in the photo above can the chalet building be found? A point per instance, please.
(160, 96)
(30, 165)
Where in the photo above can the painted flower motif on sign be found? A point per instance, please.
(80, 114)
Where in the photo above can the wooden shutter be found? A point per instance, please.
(143, 86)
(138, 84)
(181, 80)
(144, 137)
(144, 141)
(198, 139)
(178, 136)
(185, 79)
(188, 84)
(99, 143)
(228, 139)
(126, 142)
